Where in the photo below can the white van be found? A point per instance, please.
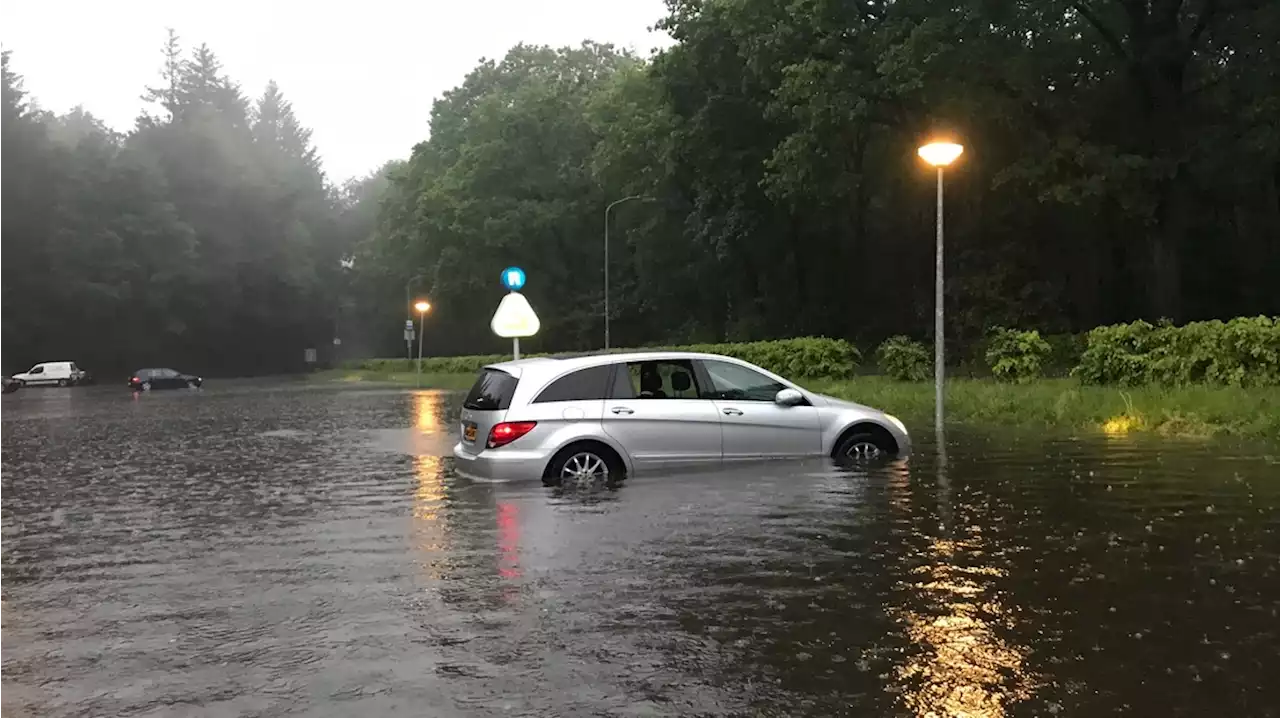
(61, 373)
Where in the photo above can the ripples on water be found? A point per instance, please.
(244, 552)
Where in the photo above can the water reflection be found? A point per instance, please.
(428, 410)
(958, 665)
(508, 540)
(430, 525)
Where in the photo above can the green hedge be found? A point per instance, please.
(1242, 352)
(901, 357)
(1017, 356)
(802, 357)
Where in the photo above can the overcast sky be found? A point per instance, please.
(362, 75)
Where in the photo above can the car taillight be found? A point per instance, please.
(507, 432)
(135, 380)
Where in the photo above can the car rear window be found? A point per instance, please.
(582, 385)
(492, 391)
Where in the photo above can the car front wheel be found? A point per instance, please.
(863, 447)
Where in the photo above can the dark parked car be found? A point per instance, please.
(148, 379)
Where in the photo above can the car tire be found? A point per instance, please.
(863, 447)
(583, 456)
(63, 382)
(192, 385)
(146, 386)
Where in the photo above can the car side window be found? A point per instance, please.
(165, 373)
(36, 370)
(658, 379)
(582, 385)
(738, 383)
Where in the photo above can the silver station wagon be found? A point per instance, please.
(608, 416)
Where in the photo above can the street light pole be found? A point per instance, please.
(938, 344)
(606, 259)
(422, 307)
(408, 343)
(940, 155)
(422, 330)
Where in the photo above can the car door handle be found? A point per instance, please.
(732, 411)
(621, 410)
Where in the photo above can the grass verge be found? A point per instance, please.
(1065, 404)
(1047, 404)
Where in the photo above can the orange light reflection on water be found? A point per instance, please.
(964, 668)
(427, 408)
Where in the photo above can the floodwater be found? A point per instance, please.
(251, 550)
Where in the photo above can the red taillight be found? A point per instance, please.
(135, 380)
(507, 432)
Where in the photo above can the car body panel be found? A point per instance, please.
(666, 432)
(50, 373)
(650, 433)
(162, 378)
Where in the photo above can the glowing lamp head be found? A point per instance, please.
(940, 154)
(422, 306)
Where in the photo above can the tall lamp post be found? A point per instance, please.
(940, 155)
(606, 258)
(423, 307)
(408, 343)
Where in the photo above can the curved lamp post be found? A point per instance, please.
(940, 155)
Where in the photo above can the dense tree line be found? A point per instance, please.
(1123, 161)
(206, 237)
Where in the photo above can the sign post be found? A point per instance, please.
(408, 338)
(514, 318)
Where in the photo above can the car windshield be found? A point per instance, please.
(492, 391)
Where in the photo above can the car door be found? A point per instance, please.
(165, 379)
(660, 416)
(37, 375)
(754, 426)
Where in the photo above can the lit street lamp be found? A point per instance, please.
(408, 340)
(940, 155)
(606, 258)
(423, 307)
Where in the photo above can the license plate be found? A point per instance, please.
(469, 433)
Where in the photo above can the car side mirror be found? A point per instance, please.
(788, 397)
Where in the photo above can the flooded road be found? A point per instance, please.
(256, 551)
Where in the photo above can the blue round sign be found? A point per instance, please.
(513, 278)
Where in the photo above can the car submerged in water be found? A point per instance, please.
(609, 416)
(149, 379)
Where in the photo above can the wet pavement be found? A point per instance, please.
(252, 550)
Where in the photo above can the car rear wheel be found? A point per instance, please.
(583, 463)
(146, 386)
(63, 382)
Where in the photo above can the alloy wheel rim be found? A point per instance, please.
(863, 450)
(584, 466)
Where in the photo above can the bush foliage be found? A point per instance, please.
(1242, 352)
(1017, 356)
(803, 357)
(902, 358)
